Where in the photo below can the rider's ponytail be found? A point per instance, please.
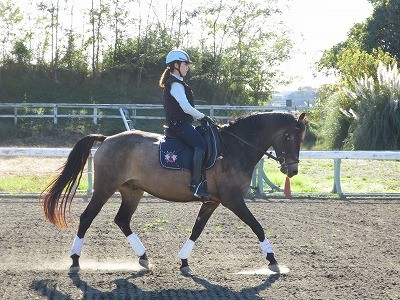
(164, 77)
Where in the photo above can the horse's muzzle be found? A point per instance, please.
(290, 169)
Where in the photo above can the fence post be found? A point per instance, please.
(55, 111)
(123, 116)
(260, 186)
(133, 118)
(15, 115)
(95, 116)
(337, 188)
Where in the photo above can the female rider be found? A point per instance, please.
(180, 113)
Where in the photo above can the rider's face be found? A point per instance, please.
(183, 67)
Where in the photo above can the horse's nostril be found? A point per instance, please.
(295, 172)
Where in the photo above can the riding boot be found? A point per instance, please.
(198, 184)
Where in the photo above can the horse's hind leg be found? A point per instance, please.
(95, 205)
(204, 215)
(130, 200)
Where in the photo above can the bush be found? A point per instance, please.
(377, 116)
(335, 125)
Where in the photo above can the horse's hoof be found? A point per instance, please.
(186, 270)
(143, 261)
(274, 268)
(74, 269)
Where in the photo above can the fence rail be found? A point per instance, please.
(133, 112)
(259, 176)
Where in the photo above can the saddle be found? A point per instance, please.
(175, 154)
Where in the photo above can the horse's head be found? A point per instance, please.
(287, 146)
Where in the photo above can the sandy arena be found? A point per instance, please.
(334, 249)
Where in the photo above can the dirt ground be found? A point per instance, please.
(335, 249)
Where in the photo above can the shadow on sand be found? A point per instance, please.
(125, 289)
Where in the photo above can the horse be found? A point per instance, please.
(128, 162)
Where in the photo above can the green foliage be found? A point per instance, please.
(383, 28)
(330, 59)
(354, 63)
(351, 63)
(21, 53)
(364, 116)
(335, 128)
(121, 57)
(235, 64)
(377, 39)
(369, 108)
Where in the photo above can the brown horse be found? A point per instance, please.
(128, 162)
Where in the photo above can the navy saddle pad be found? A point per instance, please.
(177, 155)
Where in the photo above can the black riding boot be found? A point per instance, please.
(198, 185)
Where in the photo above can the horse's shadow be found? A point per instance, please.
(127, 290)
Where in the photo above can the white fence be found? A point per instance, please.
(259, 178)
(131, 112)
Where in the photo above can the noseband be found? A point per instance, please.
(281, 158)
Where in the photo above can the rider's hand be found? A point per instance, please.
(206, 119)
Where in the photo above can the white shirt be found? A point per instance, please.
(178, 92)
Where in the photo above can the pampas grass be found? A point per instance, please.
(377, 115)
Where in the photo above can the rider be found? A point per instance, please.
(180, 113)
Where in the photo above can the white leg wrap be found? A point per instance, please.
(136, 244)
(186, 250)
(77, 246)
(266, 247)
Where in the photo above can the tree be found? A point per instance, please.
(10, 17)
(382, 29)
(239, 51)
(354, 63)
(21, 53)
(74, 59)
(380, 32)
(97, 15)
(53, 10)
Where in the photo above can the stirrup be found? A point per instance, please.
(199, 191)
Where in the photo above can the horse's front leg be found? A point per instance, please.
(203, 216)
(239, 208)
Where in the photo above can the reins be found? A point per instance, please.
(269, 154)
(280, 159)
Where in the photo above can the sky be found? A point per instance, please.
(317, 25)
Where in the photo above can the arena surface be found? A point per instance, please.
(335, 249)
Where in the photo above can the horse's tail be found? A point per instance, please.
(53, 199)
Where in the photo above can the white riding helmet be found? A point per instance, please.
(177, 55)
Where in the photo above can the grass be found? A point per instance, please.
(356, 176)
(32, 175)
(31, 184)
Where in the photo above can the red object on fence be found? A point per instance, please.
(287, 190)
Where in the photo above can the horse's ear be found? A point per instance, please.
(301, 118)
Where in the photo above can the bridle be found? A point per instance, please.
(280, 159)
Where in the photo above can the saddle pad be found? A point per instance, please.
(174, 155)
(177, 155)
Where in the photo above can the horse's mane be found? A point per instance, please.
(270, 119)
